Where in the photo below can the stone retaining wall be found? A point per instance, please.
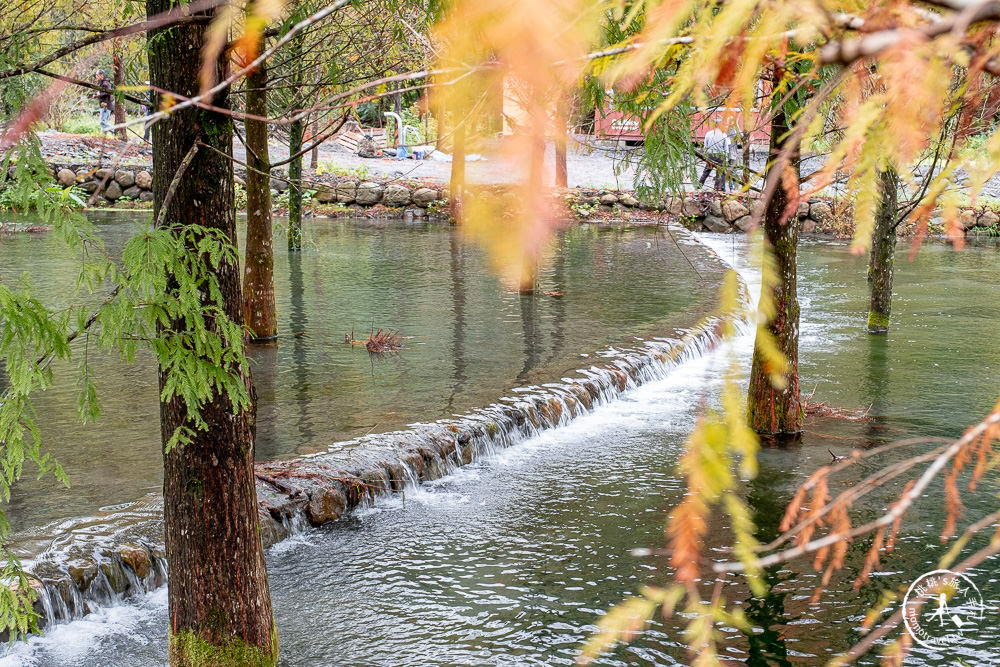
(704, 211)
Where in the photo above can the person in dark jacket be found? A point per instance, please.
(105, 101)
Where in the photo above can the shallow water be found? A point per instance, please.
(512, 559)
(468, 341)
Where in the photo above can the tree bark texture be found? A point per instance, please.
(880, 261)
(776, 411)
(219, 601)
(458, 170)
(259, 313)
(296, 131)
(562, 113)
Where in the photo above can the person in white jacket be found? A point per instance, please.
(717, 147)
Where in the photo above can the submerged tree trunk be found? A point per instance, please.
(775, 410)
(219, 601)
(259, 313)
(458, 171)
(118, 75)
(880, 262)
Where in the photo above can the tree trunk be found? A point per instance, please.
(458, 171)
(118, 74)
(219, 601)
(776, 411)
(880, 262)
(295, 132)
(259, 313)
(560, 147)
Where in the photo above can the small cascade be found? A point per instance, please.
(120, 554)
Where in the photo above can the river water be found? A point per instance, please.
(512, 559)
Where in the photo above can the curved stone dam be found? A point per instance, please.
(625, 306)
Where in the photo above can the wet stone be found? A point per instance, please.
(66, 178)
(113, 191)
(145, 180)
(115, 575)
(125, 178)
(137, 558)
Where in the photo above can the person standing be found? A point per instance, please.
(105, 101)
(716, 150)
(733, 156)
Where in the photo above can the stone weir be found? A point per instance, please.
(119, 553)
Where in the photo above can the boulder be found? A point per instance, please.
(144, 180)
(145, 195)
(125, 178)
(609, 199)
(368, 193)
(734, 210)
(66, 177)
(132, 192)
(745, 223)
(325, 195)
(715, 224)
(803, 210)
(82, 571)
(115, 575)
(101, 174)
(396, 195)
(325, 505)
(279, 184)
(90, 186)
(988, 219)
(967, 218)
(445, 194)
(628, 200)
(821, 212)
(424, 196)
(346, 191)
(83, 175)
(419, 213)
(807, 225)
(675, 206)
(692, 207)
(113, 191)
(715, 208)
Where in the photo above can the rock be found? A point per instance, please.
(715, 208)
(419, 213)
(967, 218)
(715, 224)
(90, 186)
(125, 178)
(675, 206)
(807, 225)
(132, 192)
(136, 558)
(325, 505)
(66, 178)
(145, 195)
(368, 193)
(988, 219)
(83, 175)
(424, 196)
(445, 194)
(803, 210)
(745, 223)
(116, 575)
(236, 179)
(144, 180)
(113, 191)
(346, 191)
(325, 195)
(734, 210)
(628, 200)
(366, 146)
(82, 572)
(609, 199)
(279, 184)
(101, 174)
(396, 195)
(821, 212)
(692, 207)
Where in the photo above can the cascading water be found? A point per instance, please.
(82, 567)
